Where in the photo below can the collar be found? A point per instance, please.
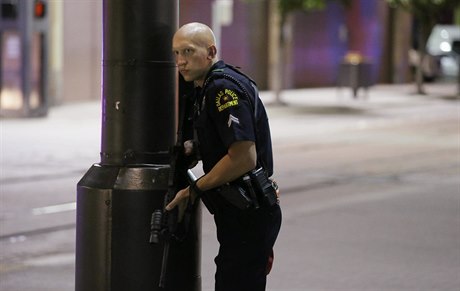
(217, 66)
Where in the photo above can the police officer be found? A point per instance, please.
(233, 134)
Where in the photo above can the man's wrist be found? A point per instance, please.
(198, 192)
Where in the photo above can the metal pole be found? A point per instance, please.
(115, 198)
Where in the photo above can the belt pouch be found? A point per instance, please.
(264, 186)
(235, 195)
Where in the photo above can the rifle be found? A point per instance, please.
(164, 224)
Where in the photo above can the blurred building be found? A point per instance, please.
(317, 43)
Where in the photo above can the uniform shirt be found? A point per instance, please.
(224, 115)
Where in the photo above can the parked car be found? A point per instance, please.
(441, 61)
(440, 45)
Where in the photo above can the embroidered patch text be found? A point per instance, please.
(225, 99)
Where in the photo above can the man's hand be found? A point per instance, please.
(189, 147)
(191, 152)
(181, 200)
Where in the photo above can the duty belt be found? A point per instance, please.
(251, 191)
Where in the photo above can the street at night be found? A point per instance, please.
(370, 191)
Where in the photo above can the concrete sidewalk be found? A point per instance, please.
(64, 145)
(42, 159)
(68, 139)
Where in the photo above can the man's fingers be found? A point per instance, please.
(181, 204)
(181, 195)
(188, 147)
(172, 204)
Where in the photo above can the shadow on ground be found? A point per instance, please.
(450, 97)
(303, 110)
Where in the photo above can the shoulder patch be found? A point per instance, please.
(226, 98)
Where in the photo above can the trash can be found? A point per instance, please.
(355, 72)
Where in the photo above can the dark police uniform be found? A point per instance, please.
(227, 110)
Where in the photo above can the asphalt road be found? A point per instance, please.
(370, 193)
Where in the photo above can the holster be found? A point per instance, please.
(236, 195)
(266, 192)
(232, 194)
(250, 191)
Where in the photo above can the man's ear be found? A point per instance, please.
(212, 52)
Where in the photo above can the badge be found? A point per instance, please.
(225, 99)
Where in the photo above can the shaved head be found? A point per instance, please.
(198, 33)
(194, 47)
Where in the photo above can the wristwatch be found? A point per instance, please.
(195, 188)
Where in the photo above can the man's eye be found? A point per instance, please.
(187, 51)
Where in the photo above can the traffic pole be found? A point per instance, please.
(117, 196)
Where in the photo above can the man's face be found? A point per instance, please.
(192, 60)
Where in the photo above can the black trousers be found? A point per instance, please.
(246, 240)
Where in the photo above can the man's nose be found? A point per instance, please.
(180, 60)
